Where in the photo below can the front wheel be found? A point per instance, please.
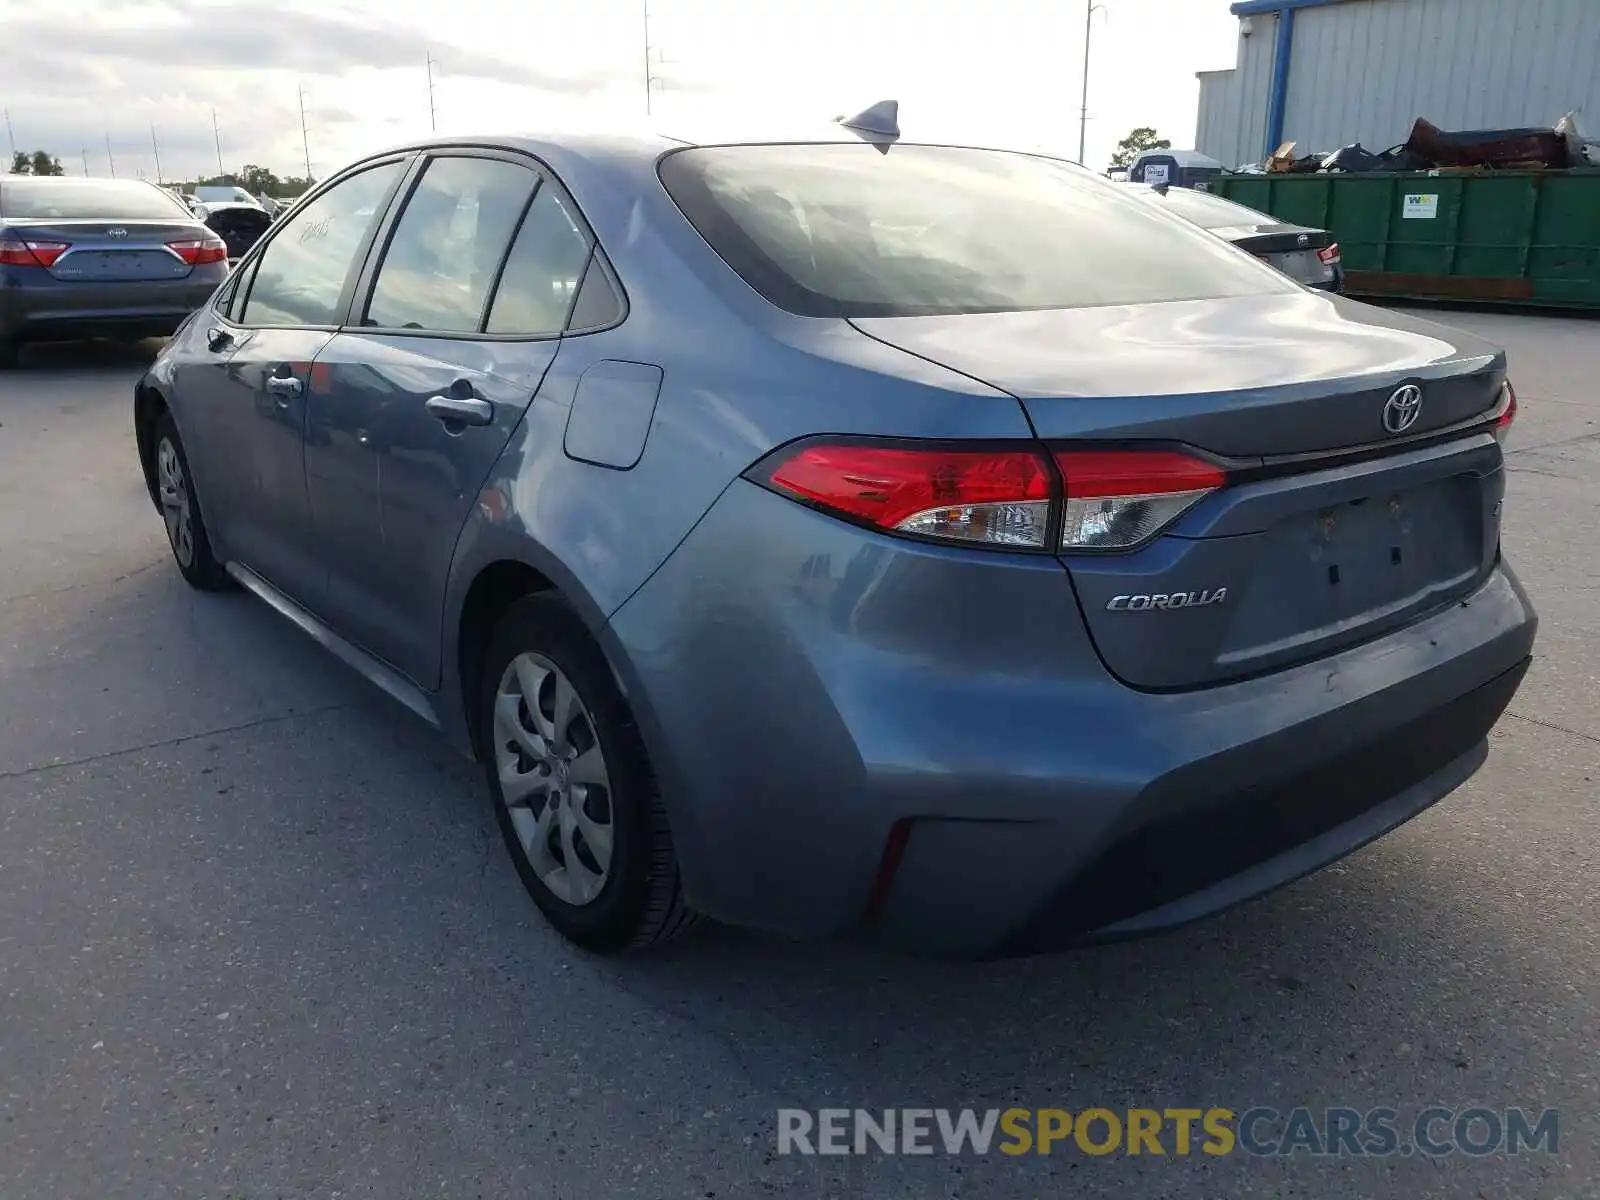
(574, 795)
(186, 528)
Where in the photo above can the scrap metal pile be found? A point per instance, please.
(1430, 148)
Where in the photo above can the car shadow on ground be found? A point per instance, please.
(97, 354)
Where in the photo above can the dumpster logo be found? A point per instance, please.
(1403, 409)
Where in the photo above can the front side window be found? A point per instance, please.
(300, 276)
(542, 274)
(25, 199)
(841, 230)
(448, 245)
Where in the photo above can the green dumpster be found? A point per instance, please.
(1520, 237)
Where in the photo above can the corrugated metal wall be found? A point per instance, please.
(1363, 71)
(1234, 103)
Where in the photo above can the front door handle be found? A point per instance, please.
(460, 410)
(283, 385)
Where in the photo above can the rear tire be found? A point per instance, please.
(573, 791)
(180, 511)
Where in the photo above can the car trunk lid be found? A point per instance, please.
(111, 251)
(1292, 249)
(1332, 526)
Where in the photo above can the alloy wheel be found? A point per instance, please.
(176, 507)
(553, 777)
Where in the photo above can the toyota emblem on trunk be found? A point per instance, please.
(1403, 408)
(116, 231)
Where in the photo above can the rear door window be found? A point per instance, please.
(447, 248)
(542, 274)
(301, 275)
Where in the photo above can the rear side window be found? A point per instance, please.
(87, 200)
(300, 276)
(447, 247)
(845, 230)
(541, 278)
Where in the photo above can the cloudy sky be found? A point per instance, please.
(75, 72)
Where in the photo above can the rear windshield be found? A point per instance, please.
(87, 199)
(1205, 210)
(847, 230)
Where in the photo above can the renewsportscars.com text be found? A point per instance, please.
(1435, 1131)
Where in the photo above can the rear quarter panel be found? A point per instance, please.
(738, 378)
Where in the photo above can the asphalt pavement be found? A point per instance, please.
(258, 937)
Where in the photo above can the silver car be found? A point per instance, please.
(855, 537)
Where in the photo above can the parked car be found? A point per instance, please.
(98, 258)
(211, 194)
(916, 542)
(238, 225)
(1305, 254)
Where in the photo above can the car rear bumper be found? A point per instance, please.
(36, 306)
(861, 735)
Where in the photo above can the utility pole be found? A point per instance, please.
(110, 162)
(156, 150)
(433, 111)
(305, 136)
(649, 80)
(11, 136)
(1083, 112)
(216, 132)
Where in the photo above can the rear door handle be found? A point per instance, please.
(460, 410)
(283, 385)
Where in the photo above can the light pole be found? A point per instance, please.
(110, 161)
(156, 150)
(433, 111)
(216, 132)
(11, 136)
(649, 82)
(1083, 112)
(305, 135)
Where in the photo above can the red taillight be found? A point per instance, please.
(1329, 254)
(1118, 499)
(999, 497)
(197, 252)
(17, 253)
(1113, 499)
(1507, 412)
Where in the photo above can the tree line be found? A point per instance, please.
(253, 178)
(40, 162)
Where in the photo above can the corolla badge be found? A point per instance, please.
(117, 231)
(1166, 601)
(1403, 408)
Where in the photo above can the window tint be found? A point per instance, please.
(541, 276)
(88, 199)
(598, 303)
(844, 230)
(224, 301)
(301, 274)
(1205, 210)
(442, 259)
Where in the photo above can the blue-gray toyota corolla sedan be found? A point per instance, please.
(854, 536)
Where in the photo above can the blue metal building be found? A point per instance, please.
(1325, 73)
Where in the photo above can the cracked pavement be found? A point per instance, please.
(258, 937)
